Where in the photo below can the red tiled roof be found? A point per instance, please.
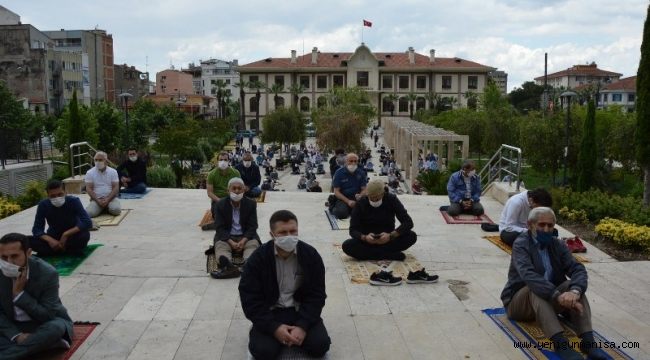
(391, 60)
(629, 83)
(584, 70)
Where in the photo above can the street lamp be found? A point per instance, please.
(126, 96)
(567, 95)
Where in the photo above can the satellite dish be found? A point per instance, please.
(144, 76)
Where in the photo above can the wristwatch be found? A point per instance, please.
(576, 291)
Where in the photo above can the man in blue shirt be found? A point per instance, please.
(464, 190)
(67, 220)
(349, 185)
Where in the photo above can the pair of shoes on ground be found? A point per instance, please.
(227, 270)
(386, 278)
(575, 245)
(209, 226)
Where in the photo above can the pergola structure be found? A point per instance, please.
(409, 137)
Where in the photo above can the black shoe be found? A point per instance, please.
(210, 226)
(421, 277)
(229, 272)
(384, 278)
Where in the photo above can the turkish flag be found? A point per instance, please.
(367, 23)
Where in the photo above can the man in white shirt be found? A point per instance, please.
(103, 186)
(514, 217)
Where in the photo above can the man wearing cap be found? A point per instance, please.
(236, 224)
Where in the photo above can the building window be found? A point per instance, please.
(617, 97)
(604, 97)
(420, 103)
(630, 97)
(403, 82)
(304, 104)
(279, 80)
(304, 81)
(279, 102)
(387, 105)
(403, 104)
(253, 105)
(322, 102)
(472, 82)
(337, 80)
(321, 82)
(421, 82)
(253, 78)
(387, 82)
(446, 82)
(362, 78)
(227, 81)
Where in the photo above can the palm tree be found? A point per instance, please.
(392, 98)
(433, 98)
(296, 89)
(257, 85)
(411, 97)
(472, 100)
(221, 86)
(242, 85)
(276, 90)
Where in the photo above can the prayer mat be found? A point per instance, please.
(207, 218)
(82, 331)
(127, 196)
(291, 353)
(496, 240)
(360, 271)
(211, 263)
(110, 220)
(527, 336)
(337, 224)
(261, 198)
(465, 218)
(66, 264)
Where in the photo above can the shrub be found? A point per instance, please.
(576, 216)
(34, 192)
(161, 177)
(434, 182)
(598, 205)
(61, 172)
(625, 234)
(8, 207)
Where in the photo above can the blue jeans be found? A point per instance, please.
(253, 192)
(139, 188)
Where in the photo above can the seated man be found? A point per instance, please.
(282, 291)
(349, 185)
(369, 167)
(217, 183)
(32, 317)
(68, 223)
(250, 173)
(464, 189)
(133, 174)
(103, 186)
(236, 224)
(314, 186)
(514, 217)
(545, 280)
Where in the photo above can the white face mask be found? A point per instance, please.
(58, 201)
(133, 158)
(223, 164)
(247, 163)
(236, 197)
(9, 270)
(100, 164)
(352, 168)
(287, 243)
(375, 203)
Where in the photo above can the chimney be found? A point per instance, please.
(235, 62)
(314, 55)
(293, 56)
(411, 55)
(432, 56)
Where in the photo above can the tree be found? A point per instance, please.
(283, 126)
(257, 85)
(75, 125)
(588, 155)
(296, 89)
(221, 93)
(411, 97)
(242, 85)
(276, 90)
(643, 110)
(392, 98)
(538, 139)
(13, 120)
(109, 124)
(179, 141)
(527, 97)
(433, 98)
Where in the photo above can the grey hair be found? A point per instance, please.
(535, 213)
(235, 180)
(102, 154)
(349, 155)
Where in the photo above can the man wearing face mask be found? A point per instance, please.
(103, 186)
(349, 185)
(282, 292)
(545, 280)
(67, 220)
(514, 217)
(464, 190)
(217, 183)
(250, 173)
(32, 317)
(236, 224)
(133, 173)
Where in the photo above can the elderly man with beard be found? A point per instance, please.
(349, 185)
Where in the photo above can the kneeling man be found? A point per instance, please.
(282, 291)
(32, 317)
(545, 280)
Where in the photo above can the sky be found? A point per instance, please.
(511, 35)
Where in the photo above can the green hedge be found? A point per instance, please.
(161, 177)
(599, 205)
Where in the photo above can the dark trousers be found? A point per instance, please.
(456, 209)
(43, 336)
(75, 244)
(509, 237)
(266, 347)
(340, 209)
(139, 188)
(361, 250)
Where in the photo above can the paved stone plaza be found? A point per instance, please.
(148, 288)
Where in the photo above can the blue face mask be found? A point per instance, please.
(544, 238)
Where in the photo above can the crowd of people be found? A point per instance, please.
(282, 281)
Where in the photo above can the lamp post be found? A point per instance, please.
(126, 96)
(567, 95)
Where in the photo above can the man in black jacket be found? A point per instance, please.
(250, 173)
(133, 174)
(236, 225)
(282, 291)
(545, 280)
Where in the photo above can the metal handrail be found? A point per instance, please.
(79, 156)
(502, 162)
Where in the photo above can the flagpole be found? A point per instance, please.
(362, 26)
